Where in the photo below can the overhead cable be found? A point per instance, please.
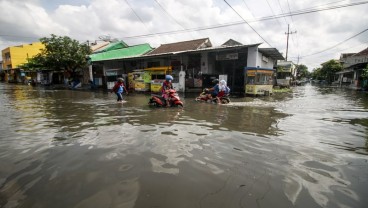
(299, 12)
(336, 44)
(247, 23)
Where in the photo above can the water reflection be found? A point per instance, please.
(64, 148)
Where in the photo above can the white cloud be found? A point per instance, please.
(88, 19)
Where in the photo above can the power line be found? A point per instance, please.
(247, 23)
(292, 37)
(299, 12)
(339, 51)
(282, 11)
(336, 44)
(273, 11)
(167, 13)
(248, 8)
(127, 2)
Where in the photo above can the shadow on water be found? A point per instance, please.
(68, 148)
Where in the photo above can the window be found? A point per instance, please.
(7, 56)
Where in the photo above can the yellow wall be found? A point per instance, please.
(19, 54)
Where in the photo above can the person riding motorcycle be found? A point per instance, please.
(166, 86)
(213, 92)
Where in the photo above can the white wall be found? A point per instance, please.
(268, 64)
(351, 60)
(252, 60)
(255, 59)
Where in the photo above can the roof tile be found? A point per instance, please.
(182, 46)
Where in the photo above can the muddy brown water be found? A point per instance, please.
(70, 148)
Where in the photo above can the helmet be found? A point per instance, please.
(215, 81)
(169, 77)
(120, 80)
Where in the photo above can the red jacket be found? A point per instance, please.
(117, 86)
(166, 86)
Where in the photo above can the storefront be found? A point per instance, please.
(258, 81)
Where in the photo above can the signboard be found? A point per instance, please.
(252, 73)
(229, 56)
(283, 69)
(111, 73)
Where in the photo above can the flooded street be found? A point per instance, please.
(65, 148)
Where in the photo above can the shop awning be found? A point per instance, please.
(130, 51)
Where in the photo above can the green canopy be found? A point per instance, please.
(130, 51)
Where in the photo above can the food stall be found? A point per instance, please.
(258, 81)
(155, 76)
(136, 81)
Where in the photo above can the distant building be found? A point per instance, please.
(285, 73)
(192, 63)
(15, 56)
(353, 65)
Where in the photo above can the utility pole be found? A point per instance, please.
(287, 42)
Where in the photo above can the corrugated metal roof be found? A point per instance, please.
(182, 46)
(130, 51)
(210, 49)
(271, 52)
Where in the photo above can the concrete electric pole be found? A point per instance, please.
(287, 41)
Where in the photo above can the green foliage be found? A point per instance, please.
(316, 74)
(33, 63)
(365, 72)
(61, 53)
(328, 71)
(302, 71)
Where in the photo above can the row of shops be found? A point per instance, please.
(193, 64)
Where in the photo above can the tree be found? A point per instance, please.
(329, 70)
(365, 72)
(364, 76)
(34, 63)
(61, 54)
(317, 74)
(302, 71)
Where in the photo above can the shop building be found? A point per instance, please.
(193, 63)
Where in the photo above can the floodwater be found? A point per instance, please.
(69, 148)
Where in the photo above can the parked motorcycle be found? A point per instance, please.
(159, 101)
(224, 98)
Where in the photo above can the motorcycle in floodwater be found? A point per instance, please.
(159, 101)
(224, 98)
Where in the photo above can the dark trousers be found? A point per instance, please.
(120, 96)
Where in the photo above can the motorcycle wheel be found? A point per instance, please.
(225, 100)
(179, 105)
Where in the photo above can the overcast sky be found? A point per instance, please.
(322, 32)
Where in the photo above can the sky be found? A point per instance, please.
(320, 30)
